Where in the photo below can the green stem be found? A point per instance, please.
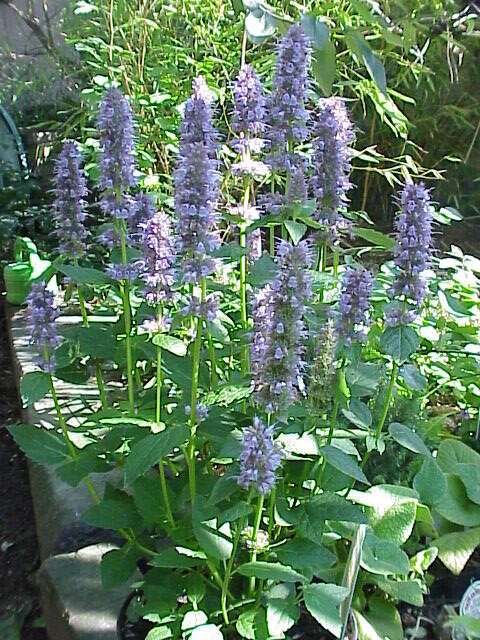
(243, 285)
(193, 410)
(128, 326)
(211, 349)
(256, 526)
(228, 570)
(166, 500)
(158, 404)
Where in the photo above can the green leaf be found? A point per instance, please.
(97, 341)
(172, 559)
(399, 342)
(239, 510)
(305, 556)
(316, 31)
(467, 624)
(323, 603)
(159, 633)
(358, 414)
(324, 66)
(282, 614)
(117, 566)
(396, 522)
(87, 461)
(170, 343)
(360, 47)
(206, 632)
(405, 590)
(150, 449)
(363, 378)
(375, 237)
(112, 513)
(147, 493)
(455, 505)
(34, 386)
(84, 275)
(430, 482)
(215, 540)
(384, 557)
(40, 445)
(296, 230)
(455, 549)
(262, 271)
(344, 463)
(413, 378)
(382, 621)
(193, 619)
(407, 438)
(469, 474)
(452, 452)
(270, 571)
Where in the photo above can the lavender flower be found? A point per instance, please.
(206, 309)
(279, 340)
(43, 332)
(124, 272)
(288, 116)
(297, 192)
(249, 110)
(142, 210)
(260, 458)
(70, 192)
(115, 123)
(354, 303)
(159, 252)
(196, 185)
(413, 250)
(332, 155)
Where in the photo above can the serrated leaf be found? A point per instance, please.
(117, 566)
(40, 445)
(344, 463)
(383, 557)
(282, 614)
(323, 603)
(305, 556)
(150, 449)
(363, 378)
(239, 510)
(377, 238)
(455, 549)
(296, 230)
(170, 343)
(358, 414)
(34, 386)
(407, 438)
(206, 632)
(399, 342)
(216, 541)
(430, 482)
(405, 590)
(270, 571)
(84, 275)
(112, 514)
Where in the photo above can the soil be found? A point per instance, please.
(19, 556)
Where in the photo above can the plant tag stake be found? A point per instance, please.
(469, 606)
(350, 575)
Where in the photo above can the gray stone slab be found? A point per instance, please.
(58, 506)
(75, 605)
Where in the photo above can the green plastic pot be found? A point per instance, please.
(27, 268)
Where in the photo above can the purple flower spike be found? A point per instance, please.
(43, 332)
(196, 187)
(288, 116)
(249, 110)
(115, 123)
(279, 341)
(260, 458)
(332, 153)
(158, 272)
(354, 303)
(413, 250)
(70, 192)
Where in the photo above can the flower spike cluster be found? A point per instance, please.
(196, 185)
(354, 303)
(260, 458)
(159, 251)
(70, 193)
(43, 332)
(413, 249)
(115, 123)
(279, 341)
(332, 153)
(288, 116)
(249, 110)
